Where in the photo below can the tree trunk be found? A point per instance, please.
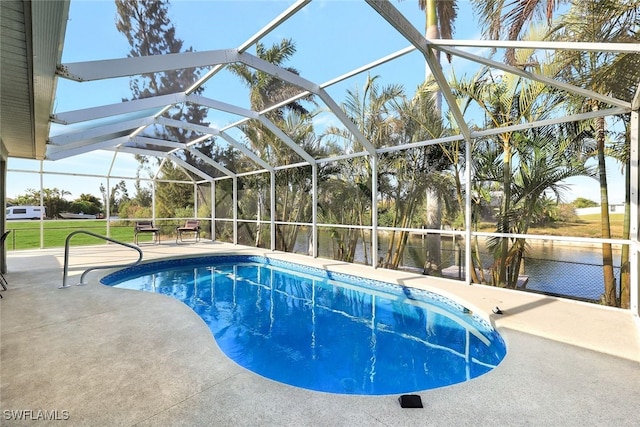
(504, 216)
(607, 252)
(258, 240)
(434, 221)
(392, 239)
(434, 210)
(402, 242)
(432, 32)
(474, 276)
(292, 236)
(364, 246)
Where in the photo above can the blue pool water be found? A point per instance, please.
(325, 331)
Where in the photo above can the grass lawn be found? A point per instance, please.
(587, 226)
(26, 234)
(583, 226)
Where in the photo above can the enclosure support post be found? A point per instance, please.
(235, 210)
(634, 250)
(41, 203)
(314, 210)
(153, 200)
(108, 192)
(272, 203)
(213, 211)
(468, 262)
(374, 210)
(3, 199)
(108, 206)
(195, 200)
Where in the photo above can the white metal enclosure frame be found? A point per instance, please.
(124, 135)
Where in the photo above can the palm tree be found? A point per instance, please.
(508, 100)
(371, 111)
(417, 170)
(622, 151)
(296, 184)
(601, 21)
(267, 90)
(509, 20)
(543, 163)
(440, 16)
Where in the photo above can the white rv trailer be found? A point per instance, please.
(26, 212)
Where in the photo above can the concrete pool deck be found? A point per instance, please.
(106, 356)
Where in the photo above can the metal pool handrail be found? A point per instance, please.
(66, 257)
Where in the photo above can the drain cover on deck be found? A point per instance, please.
(410, 401)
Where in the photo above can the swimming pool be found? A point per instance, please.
(325, 331)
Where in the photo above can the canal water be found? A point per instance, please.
(557, 268)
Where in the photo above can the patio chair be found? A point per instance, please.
(3, 280)
(146, 227)
(190, 226)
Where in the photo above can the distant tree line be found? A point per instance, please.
(54, 201)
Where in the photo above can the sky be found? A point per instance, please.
(332, 37)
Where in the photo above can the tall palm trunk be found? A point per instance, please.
(388, 259)
(258, 237)
(432, 32)
(406, 222)
(434, 210)
(607, 251)
(434, 216)
(506, 206)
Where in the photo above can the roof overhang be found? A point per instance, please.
(31, 44)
